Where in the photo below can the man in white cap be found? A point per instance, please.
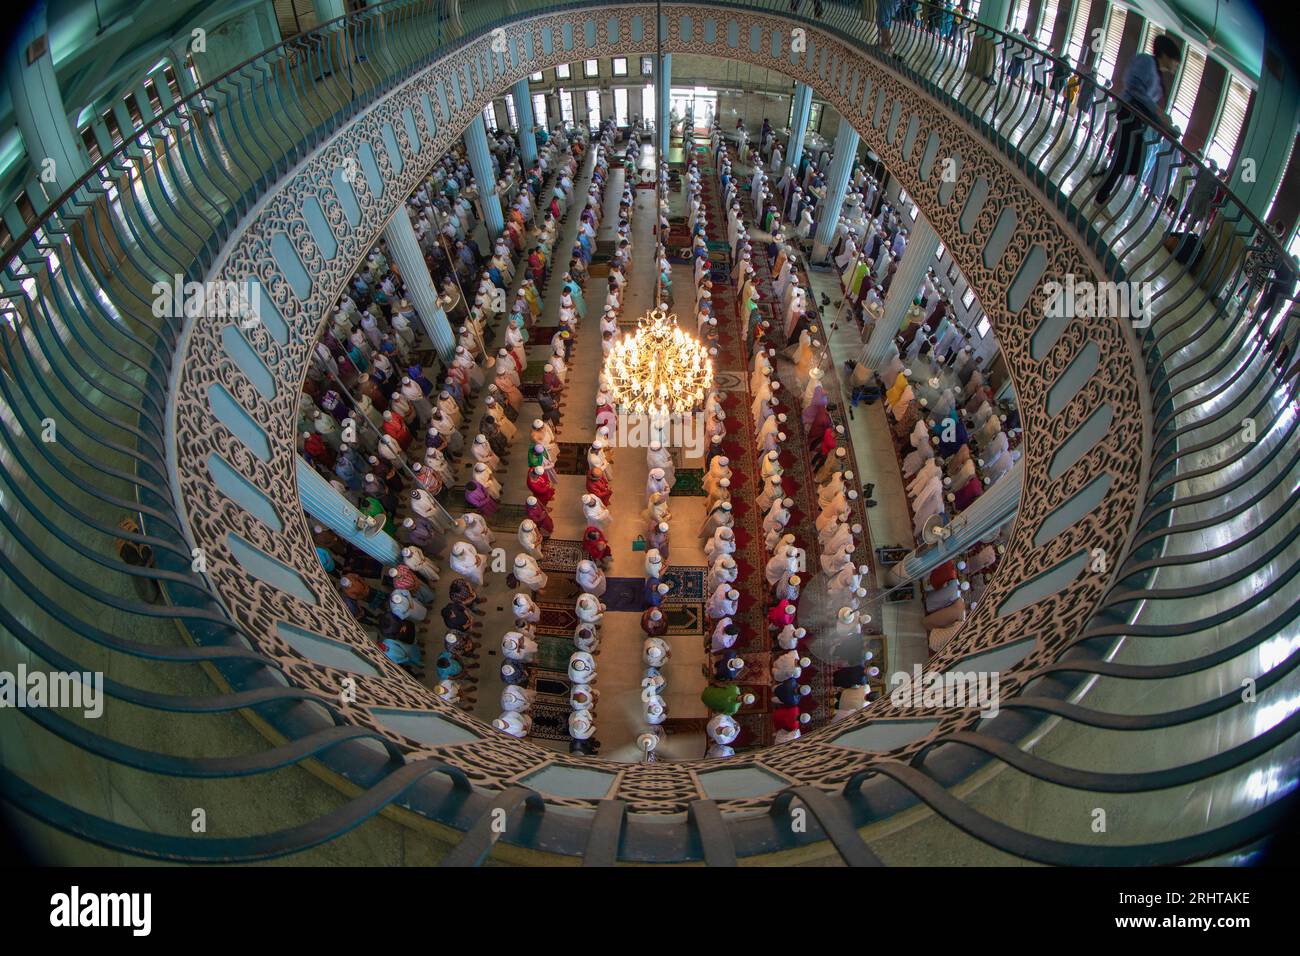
(723, 602)
(654, 564)
(516, 698)
(530, 538)
(594, 511)
(529, 574)
(722, 730)
(722, 571)
(788, 665)
(582, 730)
(657, 483)
(590, 578)
(466, 561)
(514, 723)
(719, 517)
(518, 646)
(588, 609)
(582, 668)
(525, 609)
(722, 543)
(417, 561)
(474, 529)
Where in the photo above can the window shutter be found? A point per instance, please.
(1048, 23)
(1231, 120)
(1079, 31)
(1188, 85)
(1114, 36)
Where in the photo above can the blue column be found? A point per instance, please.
(799, 124)
(837, 183)
(480, 160)
(409, 259)
(40, 114)
(663, 107)
(323, 502)
(524, 113)
(1269, 137)
(918, 256)
(985, 515)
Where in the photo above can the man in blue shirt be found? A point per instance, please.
(1141, 103)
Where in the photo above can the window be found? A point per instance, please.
(170, 76)
(490, 117)
(593, 108)
(566, 106)
(512, 114)
(1021, 15)
(92, 146)
(648, 102)
(1189, 82)
(620, 66)
(913, 212)
(1153, 30)
(620, 105)
(155, 101)
(1078, 32)
(1232, 117)
(815, 117)
(938, 253)
(562, 72)
(535, 77)
(1047, 23)
(647, 66)
(982, 326)
(539, 110)
(967, 298)
(1110, 46)
(591, 68)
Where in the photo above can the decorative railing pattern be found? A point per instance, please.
(389, 88)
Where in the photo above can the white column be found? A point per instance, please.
(918, 256)
(409, 259)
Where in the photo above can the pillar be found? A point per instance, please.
(409, 259)
(480, 161)
(1270, 132)
(837, 182)
(524, 114)
(323, 502)
(985, 515)
(40, 114)
(663, 105)
(918, 256)
(799, 124)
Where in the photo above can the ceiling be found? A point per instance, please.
(1233, 29)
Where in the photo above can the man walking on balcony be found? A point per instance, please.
(1142, 103)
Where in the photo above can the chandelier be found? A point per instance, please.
(658, 370)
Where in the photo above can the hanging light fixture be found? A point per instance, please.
(658, 370)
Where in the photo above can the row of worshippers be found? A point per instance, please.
(958, 585)
(519, 644)
(723, 695)
(590, 572)
(789, 712)
(369, 447)
(839, 536)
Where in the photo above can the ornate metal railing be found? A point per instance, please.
(87, 374)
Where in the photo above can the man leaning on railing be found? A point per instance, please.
(1142, 98)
